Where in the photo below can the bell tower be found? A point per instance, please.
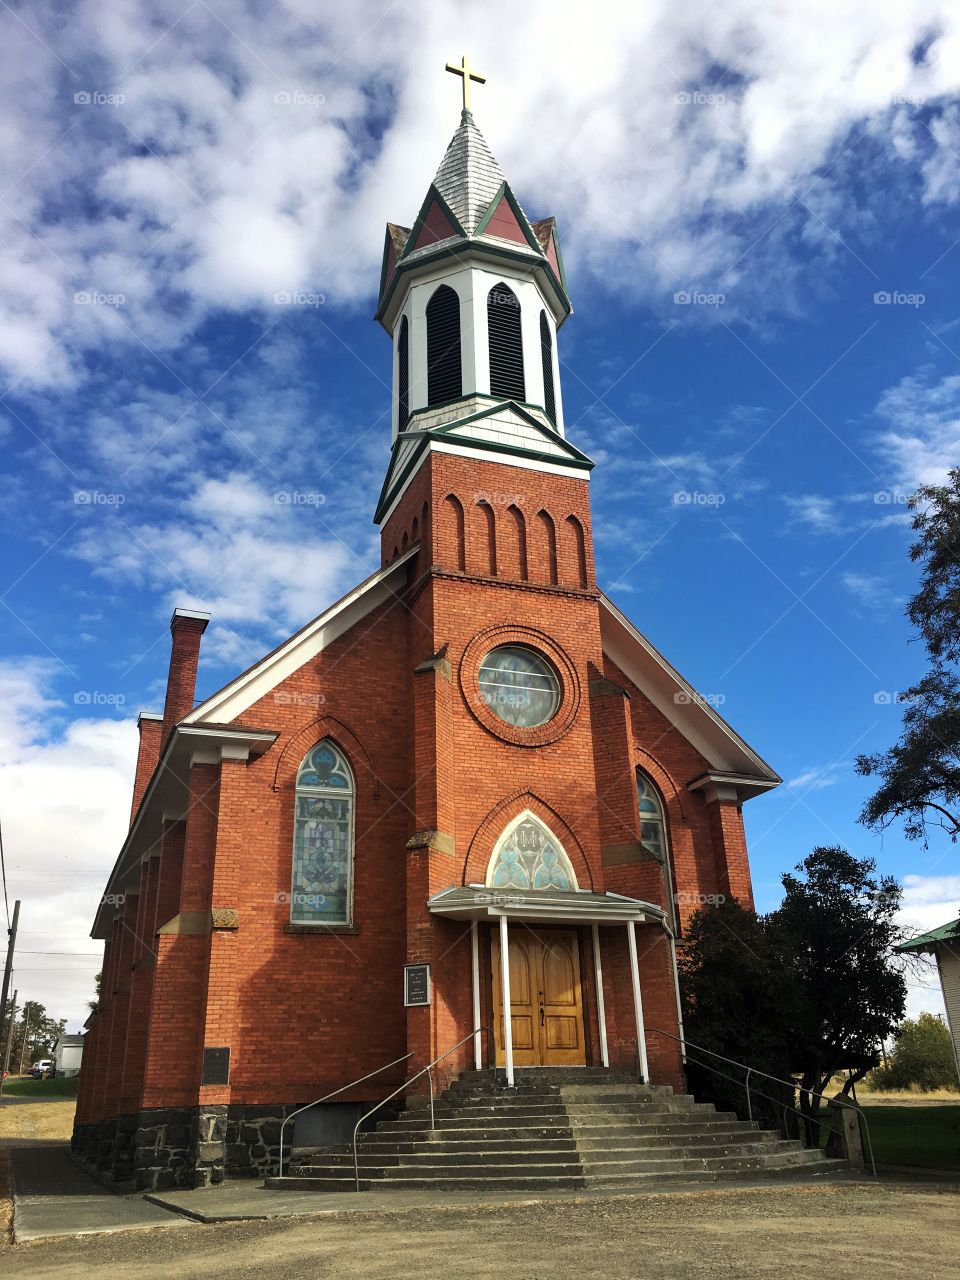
(472, 296)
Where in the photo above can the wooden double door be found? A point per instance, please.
(546, 1004)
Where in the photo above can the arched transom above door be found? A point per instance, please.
(529, 856)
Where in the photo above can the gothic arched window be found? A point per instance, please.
(506, 343)
(529, 856)
(546, 357)
(444, 377)
(322, 885)
(403, 376)
(653, 826)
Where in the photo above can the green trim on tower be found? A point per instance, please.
(494, 248)
(506, 194)
(556, 245)
(432, 194)
(395, 481)
(387, 242)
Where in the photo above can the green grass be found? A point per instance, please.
(923, 1137)
(64, 1087)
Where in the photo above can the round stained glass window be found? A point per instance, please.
(519, 686)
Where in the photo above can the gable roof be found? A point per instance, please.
(233, 699)
(502, 427)
(731, 760)
(928, 942)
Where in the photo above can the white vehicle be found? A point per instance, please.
(42, 1067)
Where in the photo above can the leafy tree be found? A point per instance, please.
(737, 989)
(923, 1057)
(920, 775)
(803, 993)
(34, 1034)
(838, 923)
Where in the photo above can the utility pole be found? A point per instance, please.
(6, 1052)
(23, 1043)
(11, 943)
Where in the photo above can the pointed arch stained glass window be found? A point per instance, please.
(528, 856)
(652, 831)
(322, 888)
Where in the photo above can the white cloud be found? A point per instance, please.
(928, 902)
(673, 151)
(819, 514)
(65, 795)
(922, 441)
(816, 778)
(238, 550)
(872, 591)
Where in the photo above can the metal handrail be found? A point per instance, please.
(791, 1084)
(326, 1096)
(424, 1071)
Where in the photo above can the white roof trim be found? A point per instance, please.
(504, 459)
(233, 699)
(719, 744)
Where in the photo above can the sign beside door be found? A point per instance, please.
(416, 985)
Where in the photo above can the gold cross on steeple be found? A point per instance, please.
(468, 74)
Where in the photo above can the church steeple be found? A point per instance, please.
(472, 295)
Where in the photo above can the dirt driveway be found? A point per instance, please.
(843, 1231)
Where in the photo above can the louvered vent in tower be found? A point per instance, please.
(444, 380)
(546, 356)
(403, 376)
(506, 343)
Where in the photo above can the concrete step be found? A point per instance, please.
(610, 1179)
(513, 1117)
(824, 1169)
(445, 1159)
(551, 1075)
(560, 1129)
(535, 1106)
(552, 1182)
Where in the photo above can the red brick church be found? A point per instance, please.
(468, 785)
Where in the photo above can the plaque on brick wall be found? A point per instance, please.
(216, 1066)
(416, 985)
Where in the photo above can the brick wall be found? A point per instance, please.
(502, 552)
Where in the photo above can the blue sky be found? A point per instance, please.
(755, 443)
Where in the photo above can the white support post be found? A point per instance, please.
(676, 991)
(475, 971)
(637, 1002)
(505, 983)
(601, 1008)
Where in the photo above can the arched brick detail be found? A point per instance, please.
(452, 534)
(668, 789)
(573, 563)
(285, 775)
(503, 812)
(544, 551)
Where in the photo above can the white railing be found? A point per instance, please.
(752, 1071)
(424, 1071)
(327, 1096)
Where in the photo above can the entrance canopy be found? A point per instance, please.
(560, 906)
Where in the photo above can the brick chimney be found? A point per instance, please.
(150, 726)
(186, 627)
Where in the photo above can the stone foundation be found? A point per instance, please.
(185, 1147)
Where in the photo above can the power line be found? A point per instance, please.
(94, 954)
